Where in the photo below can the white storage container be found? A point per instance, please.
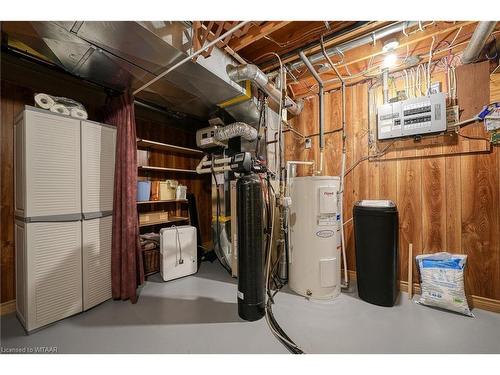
(314, 237)
(47, 148)
(181, 192)
(98, 166)
(96, 261)
(48, 271)
(55, 276)
(178, 252)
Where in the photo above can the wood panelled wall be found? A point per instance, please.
(19, 81)
(153, 128)
(447, 188)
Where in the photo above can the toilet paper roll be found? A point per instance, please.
(59, 108)
(79, 113)
(44, 101)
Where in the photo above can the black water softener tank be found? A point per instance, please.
(251, 291)
(376, 245)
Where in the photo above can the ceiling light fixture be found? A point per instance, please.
(390, 60)
(390, 45)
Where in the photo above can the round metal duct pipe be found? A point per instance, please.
(251, 72)
(477, 41)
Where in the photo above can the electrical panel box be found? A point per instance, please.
(416, 116)
(389, 120)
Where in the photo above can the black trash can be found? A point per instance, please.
(376, 244)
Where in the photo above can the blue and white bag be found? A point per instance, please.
(442, 281)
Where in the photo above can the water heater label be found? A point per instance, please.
(327, 200)
(326, 220)
(325, 233)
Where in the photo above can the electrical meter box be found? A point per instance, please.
(415, 116)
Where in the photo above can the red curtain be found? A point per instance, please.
(127, 271)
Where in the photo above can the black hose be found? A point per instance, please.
(274, 325)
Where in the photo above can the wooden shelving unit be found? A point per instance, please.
(151, 257)
(166, 169)
(170, 220)
(164, 201)
(144, 143)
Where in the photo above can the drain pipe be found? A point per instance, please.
(477, 41)
(345, 285)
(251, 72)
(316, 76)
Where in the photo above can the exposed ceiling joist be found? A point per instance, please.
(255, 33)
(343, 37)
(418, 43)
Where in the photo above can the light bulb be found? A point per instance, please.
(390, 60)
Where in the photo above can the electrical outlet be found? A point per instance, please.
(308, 143)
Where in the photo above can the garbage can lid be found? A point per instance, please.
(375, 203)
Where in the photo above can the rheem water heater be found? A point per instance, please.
(315, 236)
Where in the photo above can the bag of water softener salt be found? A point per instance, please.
(442, 282)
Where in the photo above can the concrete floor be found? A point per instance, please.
(198, 314)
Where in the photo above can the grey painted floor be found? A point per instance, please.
(198, 314)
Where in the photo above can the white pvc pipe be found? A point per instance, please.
(194, 54)
(216, 161)
(288, 169)
(204, 162)
(341, 208)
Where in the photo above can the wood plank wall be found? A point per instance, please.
(153, 128)
(447, 188)
(20, 80)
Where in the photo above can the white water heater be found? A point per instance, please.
(314, 222)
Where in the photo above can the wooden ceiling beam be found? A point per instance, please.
(361, 55)
(372, 26)
(256, 33)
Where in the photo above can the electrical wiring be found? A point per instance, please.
(367, 157)
(456, 36)
(347, 221)
(419, 83)
(406, 83)
(429, 66)
(495, 70)
(453, 83)
(472, 137)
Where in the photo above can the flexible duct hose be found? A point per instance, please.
(237, 129)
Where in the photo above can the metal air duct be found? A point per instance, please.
(236, 129)
(477, 41)
(251, 72)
